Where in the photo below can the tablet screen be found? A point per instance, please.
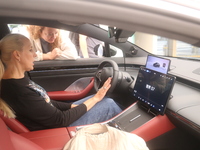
(158, 64)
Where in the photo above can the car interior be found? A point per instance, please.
(160, 103)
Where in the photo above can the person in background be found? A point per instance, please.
(86, 45)
(49, 45)
(30, 102)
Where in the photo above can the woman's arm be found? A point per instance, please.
(61, 105)
(99, 95)
(68, 51)
(52, 55)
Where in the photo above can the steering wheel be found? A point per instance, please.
(106, 69)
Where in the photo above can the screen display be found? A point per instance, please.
(158, 64)
(153, 89)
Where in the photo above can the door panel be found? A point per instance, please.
(56, 75)
(58, 80)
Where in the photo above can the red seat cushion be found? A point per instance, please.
(12, 141)
(50, 139)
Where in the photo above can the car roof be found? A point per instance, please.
(158, 17)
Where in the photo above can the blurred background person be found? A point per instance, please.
(49, 45)
(87, 47)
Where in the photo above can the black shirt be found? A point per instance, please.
(34, 108)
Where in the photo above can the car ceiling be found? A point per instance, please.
(127, 15)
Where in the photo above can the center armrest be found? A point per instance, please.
(146, 126)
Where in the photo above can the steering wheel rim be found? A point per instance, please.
(102, 74)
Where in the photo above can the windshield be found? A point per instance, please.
(164, 46)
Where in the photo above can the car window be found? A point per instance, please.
(85, 47)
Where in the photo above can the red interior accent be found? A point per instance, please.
(51, 139)
(12, 141)
(14, 124)
(148, 131)
(71, 95)
(154, 128)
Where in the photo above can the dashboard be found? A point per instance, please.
(182, 111)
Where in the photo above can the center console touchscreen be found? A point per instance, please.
(153, 89)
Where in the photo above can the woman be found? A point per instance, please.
(30, 102)
(48, 44)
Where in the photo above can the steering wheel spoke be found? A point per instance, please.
(106, 69)
(98, 75)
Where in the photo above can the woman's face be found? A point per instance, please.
(27, 56)
(49, 34)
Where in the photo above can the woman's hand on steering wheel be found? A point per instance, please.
(103, 90)
(106, 69)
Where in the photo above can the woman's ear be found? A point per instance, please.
(16, 55)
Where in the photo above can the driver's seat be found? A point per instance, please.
(12, 141)
(13, 124)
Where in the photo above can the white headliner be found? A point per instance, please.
(123, 14)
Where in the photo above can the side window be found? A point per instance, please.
(73, 45)
(14, 28)
(18, 28)
(48, 43)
